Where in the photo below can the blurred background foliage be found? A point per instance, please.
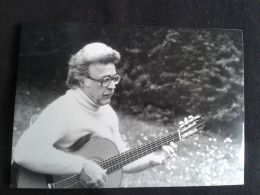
(166, 72)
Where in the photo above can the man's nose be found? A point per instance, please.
(111, 85)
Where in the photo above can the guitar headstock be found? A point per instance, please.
(191, 125)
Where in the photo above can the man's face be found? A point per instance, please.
(93, 89)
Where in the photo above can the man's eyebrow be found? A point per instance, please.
(108, 75)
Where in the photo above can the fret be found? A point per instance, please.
(117, 162)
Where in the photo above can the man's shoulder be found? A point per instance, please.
(58, 101)
(59, 104)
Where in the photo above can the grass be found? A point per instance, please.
(202, 160)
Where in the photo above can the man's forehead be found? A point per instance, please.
(102, 69)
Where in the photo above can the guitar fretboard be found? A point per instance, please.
(120, 160)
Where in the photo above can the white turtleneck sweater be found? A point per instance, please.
(63, 122)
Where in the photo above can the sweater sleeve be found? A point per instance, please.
(35, 150)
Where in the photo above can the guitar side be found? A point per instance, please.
(96, 150)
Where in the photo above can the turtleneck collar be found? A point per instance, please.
(83, 99)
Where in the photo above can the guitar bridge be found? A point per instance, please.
(49, 181)
(51, 186)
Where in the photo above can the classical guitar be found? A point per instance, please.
(105, 153)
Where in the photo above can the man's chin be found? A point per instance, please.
(105, 101)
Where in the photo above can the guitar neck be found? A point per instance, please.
(120, 160)
(117, 162)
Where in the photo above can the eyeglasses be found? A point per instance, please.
(107, 80)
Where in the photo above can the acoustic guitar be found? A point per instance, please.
(105, 153)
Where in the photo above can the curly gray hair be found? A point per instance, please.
(90, 54)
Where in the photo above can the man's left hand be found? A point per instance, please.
(168, 151)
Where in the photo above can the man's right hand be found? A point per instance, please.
(92, 175)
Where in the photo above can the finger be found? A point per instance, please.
(100, 183)
(105, 177)
(171, 150)
(175, 146)
(92, 185)
(174, 155)
(167, 151)
(157, 162)
(87, 182)
(190, 117)
(162, 162)
(181, 123)
(153, 163)
(83, 184)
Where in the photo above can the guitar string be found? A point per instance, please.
(198, 125)
(75, 177)
(67, 182)
(64, 180)
(137, 151)
(126, 161)
(152, 145)
(134, 150)
(156, 140)
(147, 144)
(113, 158)
(72, 184)
(115, 167)
(144, 150)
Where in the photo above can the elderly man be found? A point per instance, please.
(83, 111)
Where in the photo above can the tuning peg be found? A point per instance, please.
(186, 120)
(200, 131)
(181, 123)
(198, 116)
(190, 117)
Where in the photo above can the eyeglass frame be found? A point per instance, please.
(102, 81)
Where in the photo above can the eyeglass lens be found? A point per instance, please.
(115, 79)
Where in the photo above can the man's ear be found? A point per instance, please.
(84, 83)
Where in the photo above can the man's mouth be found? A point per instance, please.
(108, 95)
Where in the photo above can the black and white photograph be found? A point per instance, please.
(121, 106)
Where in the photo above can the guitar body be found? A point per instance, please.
(96, 150)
